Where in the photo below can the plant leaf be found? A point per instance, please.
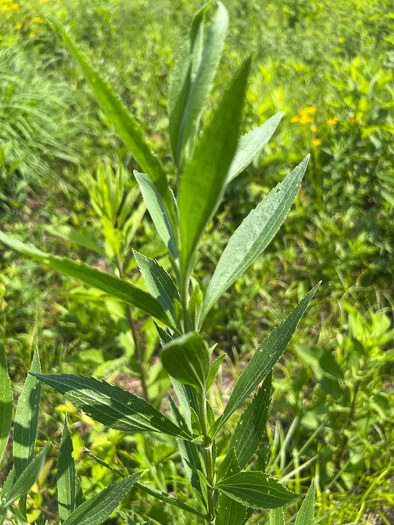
(159, 283)
(204, 176)
(5, 402)
(163, 496)
(26, 419)
(276, 517)
(306, 513)
(229, 511)
(27, 478)
(66, 484)
(256, 490)
(98, 508)
(264, 359)
(251, 144)
(158, 212)
(252, 424)
(125, 124)
(214, 370)
(201, 85)
(187, 359)
(111, 405)
(229, 465)
(66, 232)
(110, 284)
(252, 237)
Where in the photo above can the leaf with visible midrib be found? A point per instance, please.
(110, 284)
(125, 124)
(111, 405)
(264, 359)
(97, 509)
(251, 144)
(5, 402)
(257, 490)
(66, 484)
(276, 517)
(204, 177)
(253, 236)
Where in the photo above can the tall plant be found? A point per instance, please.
(206, 161)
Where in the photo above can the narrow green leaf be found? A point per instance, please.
(111, 405)
(229, 466)
(306, 513)
(125, 124)
(158, 212)
(276, 517)
(159, 283)
(27, 478)
(26, 419)
(187, 360)
(214, 370)
(252, 424)
(5, 402)
(253, 236)
(264, 359)
(66, 232)
(66, 485)
(229, 511)
(204, 177)
(163, 496)
(97, 509)
(8, 483)
(256, 490)
(110, 284)
(251, 144)
(200, 89)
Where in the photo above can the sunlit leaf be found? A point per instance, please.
(306, 513)
(66, 484)
(5, 402)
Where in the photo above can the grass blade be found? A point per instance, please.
(251, 144)
(111, 405)
(253, 236)
(204, 177)
(66, 484)
(5, 402)
(110, 284)
(264, 359)
(276, 517)
(306, 513)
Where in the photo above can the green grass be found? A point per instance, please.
(335, 59)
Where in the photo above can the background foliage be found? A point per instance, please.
(329, 66)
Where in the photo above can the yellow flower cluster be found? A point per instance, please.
(316, 142)
(333, 121)
(306, 116)
(38, 20)
(7, 6)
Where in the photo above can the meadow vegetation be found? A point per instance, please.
(67, 186)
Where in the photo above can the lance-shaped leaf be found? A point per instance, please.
(110, 284)
(306, 513)
(97, 509)
(163, 496)
(5, 402)
(276, 517)
(252, 237)
(158, 212)
(252, 424)
(187, 359)
(159, 283)
(66, 477)
(27, 478)
(200, 88)
(125, 124)
(111, 405)
(251, 144)
(264, 359)
(204, 177)
(26, 419)
(256, 490)
(66, 232)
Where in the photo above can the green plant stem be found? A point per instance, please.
(208, 457)
(137, 346)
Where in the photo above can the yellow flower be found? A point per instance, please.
(314, 129)
(316, 142)
(38, 20)
(305, 119)
(6, 8)
(295, 119)
(341, 39)
(44, 1)
(18, 26)
(32, 35)
(310, 110)
(14, 7)
(354, 120)
(333, 121)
